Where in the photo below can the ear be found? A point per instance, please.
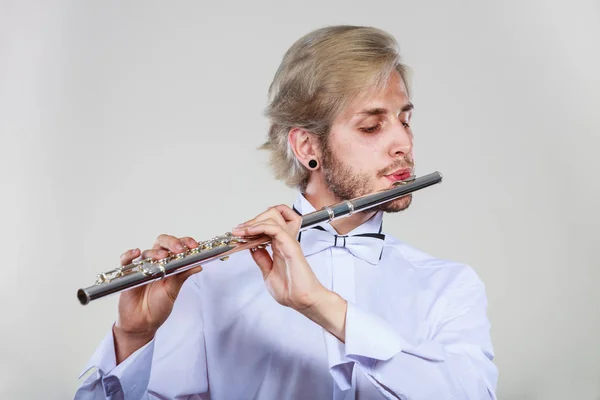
(305, 146)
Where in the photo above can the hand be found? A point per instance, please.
(288, 277)
(142, 310)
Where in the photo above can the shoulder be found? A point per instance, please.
(426, 267)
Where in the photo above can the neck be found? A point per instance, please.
(319, 196)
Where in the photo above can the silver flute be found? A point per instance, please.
(142, 272)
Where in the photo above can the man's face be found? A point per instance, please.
(370, 145)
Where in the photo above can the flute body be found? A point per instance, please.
(220, 247)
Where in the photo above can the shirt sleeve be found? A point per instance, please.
(455, 363)
(172, 365)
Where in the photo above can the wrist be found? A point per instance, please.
(329, 311)
(127, 343)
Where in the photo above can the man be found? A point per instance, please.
(348, 312)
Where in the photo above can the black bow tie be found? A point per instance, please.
(366, 246)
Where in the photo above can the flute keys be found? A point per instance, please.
(153, 268)
(109, 276)
(163, 261)
(205, 245)
(101, 278)
(260, 246)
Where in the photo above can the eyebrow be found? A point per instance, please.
(380, 111)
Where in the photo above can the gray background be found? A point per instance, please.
(120, 121)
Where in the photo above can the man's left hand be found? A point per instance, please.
(288, 276)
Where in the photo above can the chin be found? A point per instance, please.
(397, 205)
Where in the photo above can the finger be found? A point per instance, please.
(155, 254)
(271, 213)
(267, 227)
(290, 216)
(189, 242)
(184, 275)
(175, 282)
(170, 243)
(127, 257)
(284, 216)
(287, 213)
(263, 260)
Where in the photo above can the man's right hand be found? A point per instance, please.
(142, 310)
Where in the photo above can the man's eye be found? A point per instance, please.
(371, 129)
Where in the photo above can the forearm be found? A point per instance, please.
(126, 366)
(329, 311)
(128, 343)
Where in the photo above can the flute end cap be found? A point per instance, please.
(83, 297)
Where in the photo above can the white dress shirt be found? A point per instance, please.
(416, 328)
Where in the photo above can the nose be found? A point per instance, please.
(401, 140)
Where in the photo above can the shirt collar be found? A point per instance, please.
(372, 225)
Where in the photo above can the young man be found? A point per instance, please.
(344, 315)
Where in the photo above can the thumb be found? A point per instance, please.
(263, 259)
(175, 282)
(184, 275)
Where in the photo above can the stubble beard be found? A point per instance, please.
(346, 184)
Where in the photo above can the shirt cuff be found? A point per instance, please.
(369, 339)
(104, 358)
(369, 336)
(131, 376)
(340, 367)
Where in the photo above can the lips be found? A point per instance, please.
(399, 175)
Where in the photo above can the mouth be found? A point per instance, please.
(399, 175)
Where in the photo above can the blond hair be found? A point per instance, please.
(319, 75)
